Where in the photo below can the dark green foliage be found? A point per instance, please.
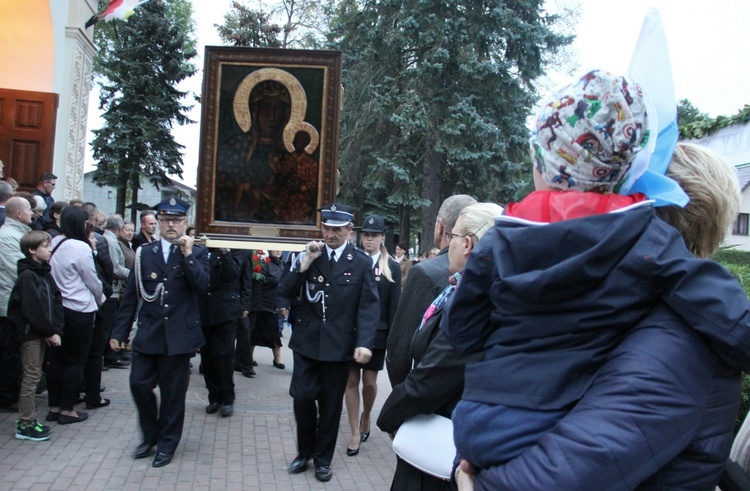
(250, 28)
(436, 95)
(738, 263)
(687, 113)
(139, 65)
(707, 127)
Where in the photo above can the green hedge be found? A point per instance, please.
(738, 263)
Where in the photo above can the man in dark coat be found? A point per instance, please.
(334, 322)
(148, 227)
(169, 275)
(425, 282)
(46, 185)
(220, 309)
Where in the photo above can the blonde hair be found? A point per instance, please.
(477, 219)
(715, 197)
(385, 268)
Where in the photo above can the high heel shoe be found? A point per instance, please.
(352, 453)
(364, 436)
(279, 365)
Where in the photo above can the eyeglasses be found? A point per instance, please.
(174, 220)
(449, 236)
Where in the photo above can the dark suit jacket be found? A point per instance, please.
(2, 215)
(221, 303)
(436, 383)
(170, 325)
(389, 294)
(138, 240)
(425, 282)
(352, 307)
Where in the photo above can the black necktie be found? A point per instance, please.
(172, 250)
(333, 259)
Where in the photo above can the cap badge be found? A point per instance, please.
(172, 201)
(371, 221)
(333, 208)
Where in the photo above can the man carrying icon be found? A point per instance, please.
(335, 321)
(167, 278)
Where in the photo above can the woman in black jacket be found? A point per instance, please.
(436, 382)
(388, 277)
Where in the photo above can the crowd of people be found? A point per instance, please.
(577, 339)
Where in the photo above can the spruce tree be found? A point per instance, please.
(437, 93)
(138, 68)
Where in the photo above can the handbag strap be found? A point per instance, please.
(58, 245)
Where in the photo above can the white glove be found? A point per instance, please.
(362, 355)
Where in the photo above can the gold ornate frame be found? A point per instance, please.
(237, 204)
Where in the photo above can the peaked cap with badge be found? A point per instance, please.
(336, 215)
(373, 224)
(173, 206)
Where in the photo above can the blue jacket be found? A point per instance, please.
(548, 303)
(659, 415)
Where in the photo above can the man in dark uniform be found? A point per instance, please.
(220, 309)
(168, 276)
(334, 321)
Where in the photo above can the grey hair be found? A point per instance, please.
(114, 222)
(451, 208)
(6, 191)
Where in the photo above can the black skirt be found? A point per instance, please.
(266, 332)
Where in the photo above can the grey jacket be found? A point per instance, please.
(10, 252)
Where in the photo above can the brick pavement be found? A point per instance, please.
(248, 451)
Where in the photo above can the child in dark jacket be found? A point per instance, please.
(35, 308)
(555, 284)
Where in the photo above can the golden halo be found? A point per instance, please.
(299, 105)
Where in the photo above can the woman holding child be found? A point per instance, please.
(548, 300)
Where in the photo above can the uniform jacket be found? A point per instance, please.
(389, 294)
(548, 303)
(35, 306)
(425, 281)
(171, 324)
(659, 415)
(10, 253)
(221, 303)
(352, 307)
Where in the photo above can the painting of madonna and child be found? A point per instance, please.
(272, 135)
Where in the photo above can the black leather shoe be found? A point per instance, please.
(227, 410)
(143, 450)
(279, 365)
(64, 419)
(96, 405)
(298, 465)
(323, 473)
(352, 453)
(212, 408)
(161, 459)
(364, 436)
(249, 373)
(117, 364)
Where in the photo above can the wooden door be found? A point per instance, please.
(27, 134)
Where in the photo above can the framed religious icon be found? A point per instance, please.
(269, 144)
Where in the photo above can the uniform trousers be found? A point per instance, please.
(160, 425)
(217, 358)
(243, 358)
(318, 390)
